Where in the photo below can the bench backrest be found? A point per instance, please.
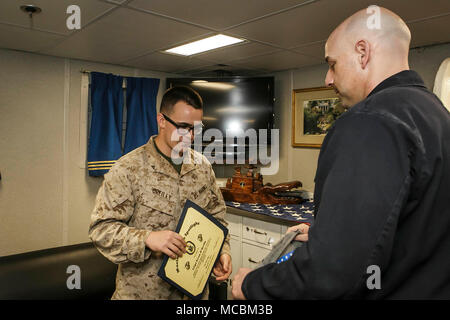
(44, 274)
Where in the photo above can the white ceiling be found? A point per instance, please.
(281, 34)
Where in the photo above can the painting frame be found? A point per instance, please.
(299, 98)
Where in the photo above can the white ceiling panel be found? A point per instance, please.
(306, 24)
(280, 34)
(411, 10)
(316, 50)
(239, 51)
(124, 35)
(220, 71)
(281, 60)
(315, 21)
(219, 14)
(166, 62)
(19, 38)
(53, 15)
(430, 31)
(115, 1)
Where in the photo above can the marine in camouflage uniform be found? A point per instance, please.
(143, 193)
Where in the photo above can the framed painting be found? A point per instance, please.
(313, 112)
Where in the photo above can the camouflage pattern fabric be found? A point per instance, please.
(143, 193)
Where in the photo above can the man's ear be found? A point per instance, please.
(362, 47)
(161, 121)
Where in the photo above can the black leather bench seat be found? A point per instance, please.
(43, 274)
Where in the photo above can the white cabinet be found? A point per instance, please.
(235, 231)
(236, 254)
(234, 225)
(236, 259)
(252, 254)
(260, 232)
(251, 240)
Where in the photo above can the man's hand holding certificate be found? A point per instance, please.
(167, 242)
(204, 237)
(222, 269)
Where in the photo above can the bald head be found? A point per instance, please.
(380, 26)
(371, 45)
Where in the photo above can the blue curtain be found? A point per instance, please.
(106, 122)
(141, 111)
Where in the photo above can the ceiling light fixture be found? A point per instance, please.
(30, 9)
(203, 45)
(213, 85)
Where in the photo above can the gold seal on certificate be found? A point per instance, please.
(204, 236)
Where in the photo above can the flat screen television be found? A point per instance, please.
(234, 104)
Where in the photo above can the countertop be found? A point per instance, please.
(287, 215)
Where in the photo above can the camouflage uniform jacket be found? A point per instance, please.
(143, 193)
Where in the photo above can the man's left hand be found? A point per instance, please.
(222, 268)
(237, 283)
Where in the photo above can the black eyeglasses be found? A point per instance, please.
(185, 128)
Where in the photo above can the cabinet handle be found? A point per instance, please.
(259, 232)
(252, 261)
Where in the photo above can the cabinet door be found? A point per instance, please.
(236, 260)
(252, 254)
(234, 224)
(261, 232)
(236, 254)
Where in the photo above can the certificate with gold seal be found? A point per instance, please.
(204, 236)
